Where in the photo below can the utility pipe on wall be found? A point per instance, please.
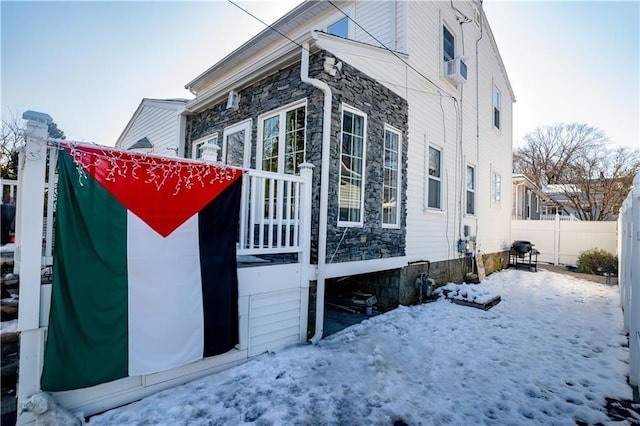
(324, 187)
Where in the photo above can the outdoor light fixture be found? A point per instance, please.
(232, 100)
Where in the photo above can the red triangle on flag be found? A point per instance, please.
(162, 192)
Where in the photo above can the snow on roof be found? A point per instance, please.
(549, 353)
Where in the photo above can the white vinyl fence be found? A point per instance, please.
(629, 274)
(561, 241)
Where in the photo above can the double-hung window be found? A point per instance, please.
(283, 139)
(434, 186)
(352, 158)
(198, 145)
(448, 45)
(496, 108)
(281, 149)
(391, 177)
(471, 190)
(496, 187)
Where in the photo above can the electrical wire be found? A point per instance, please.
(271, 27)
(388, 49)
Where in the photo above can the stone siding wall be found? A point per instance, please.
(354, 88)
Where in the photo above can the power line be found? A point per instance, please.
(387, 49)
(265, 24)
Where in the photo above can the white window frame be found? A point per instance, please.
(496, 188)
(435, 178)
(340, 17)
(443, 26)
(398, 134)
(497, 92)
(472, 190)
(243, 125)
(197, 145)
(349, 109)
(282, 113)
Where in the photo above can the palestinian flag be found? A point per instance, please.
(144, 266)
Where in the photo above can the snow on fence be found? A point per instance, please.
(272, 297)
(561, 241)
(629, 274)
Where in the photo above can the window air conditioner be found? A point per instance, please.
(456, 70)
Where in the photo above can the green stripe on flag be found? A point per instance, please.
(87, 337)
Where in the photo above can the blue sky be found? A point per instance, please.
(88, 64)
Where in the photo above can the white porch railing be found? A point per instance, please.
(274, 209)
(571, 217)
(629, 274)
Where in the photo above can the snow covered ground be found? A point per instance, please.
(548, 353)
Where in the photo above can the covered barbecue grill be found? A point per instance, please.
(523, 255)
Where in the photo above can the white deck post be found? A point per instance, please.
(306, 171)
(29, 252)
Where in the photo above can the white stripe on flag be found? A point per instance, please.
(165, 297)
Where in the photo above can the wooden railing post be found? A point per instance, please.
(306, 171)
(30, 211)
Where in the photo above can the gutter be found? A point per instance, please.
(324, 187)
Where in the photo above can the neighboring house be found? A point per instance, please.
(528, 200)
(156, 127)
(404, 109)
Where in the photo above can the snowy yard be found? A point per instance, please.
(548, 353)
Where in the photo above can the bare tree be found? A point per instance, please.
(591, 177)
(11, 139)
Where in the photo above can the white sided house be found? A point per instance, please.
(405, 111)
(376, 137)
(156, 127)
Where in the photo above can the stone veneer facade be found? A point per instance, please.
(354, 88)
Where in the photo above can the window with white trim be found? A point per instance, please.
(434, 185)
(448, 45)
(283, 139)
(198, 145)
(496, 108)
(352, 158)
(471, 191)
(496, 188)
(339, 28)
(391, 177)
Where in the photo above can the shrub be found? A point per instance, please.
(597, 261)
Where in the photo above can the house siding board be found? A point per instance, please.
(356, 89)
(160, 125)
(432, 120)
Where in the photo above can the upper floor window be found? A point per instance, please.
(496, 188)
(340, 28)
(352, 158)
(496, 108)
(198, 145)
(471, 190)
(435, 179)
(448, 45)
(391, 177)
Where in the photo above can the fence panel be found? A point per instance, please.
(629, 275)
(540, 232)
(560, 242)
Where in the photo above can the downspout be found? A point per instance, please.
(478, 120)
(324, 186)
